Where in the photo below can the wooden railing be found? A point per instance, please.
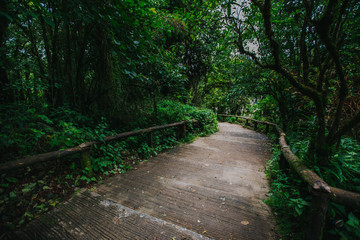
(84, 148)
(320, 190)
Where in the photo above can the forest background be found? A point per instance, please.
(75, 71)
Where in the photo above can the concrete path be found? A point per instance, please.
(210, 189)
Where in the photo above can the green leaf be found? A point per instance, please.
(84, 178)
(26, 190)
(298, 210)
(50, 22)
(7, 16)
(353, 221)
(153, 10)
(12, 179)
(28, 187)
(45, 119)
(33, 14)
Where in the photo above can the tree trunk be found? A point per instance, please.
(5, 96)
(283, 113)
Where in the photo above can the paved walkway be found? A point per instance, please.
(210, 189)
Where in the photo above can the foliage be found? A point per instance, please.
(105, 58)
(268, 33)
(174, 112)
(286, 199)
(305, 80)
(44, 129)
(289, 197)
(77, 71)
(29, 129)
(342, 173)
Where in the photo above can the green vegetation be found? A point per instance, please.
(290, 195)
(80, 70)
(287, 199)
(300, 68)
(43, 186)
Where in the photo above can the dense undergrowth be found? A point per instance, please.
(342, 172)
(28, 130)
(289, 196)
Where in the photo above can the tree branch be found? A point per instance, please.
(266, 14)
(323, 28)
(303, 53)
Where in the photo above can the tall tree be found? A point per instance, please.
(309, 43)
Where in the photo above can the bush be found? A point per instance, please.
(29, 130)
(170, 111)
(286, 199)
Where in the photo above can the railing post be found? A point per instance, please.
(151, 140)
(255, 125)
(86, 161)
(283, 164)
(318, 209)
(267, 128)
(181, 130)
(247, 122)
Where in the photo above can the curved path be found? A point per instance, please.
(210, 189)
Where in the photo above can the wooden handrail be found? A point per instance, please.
(30, 160)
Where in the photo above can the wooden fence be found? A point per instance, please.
(320, 190)
(84, 148)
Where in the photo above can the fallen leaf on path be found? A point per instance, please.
(244, 223)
